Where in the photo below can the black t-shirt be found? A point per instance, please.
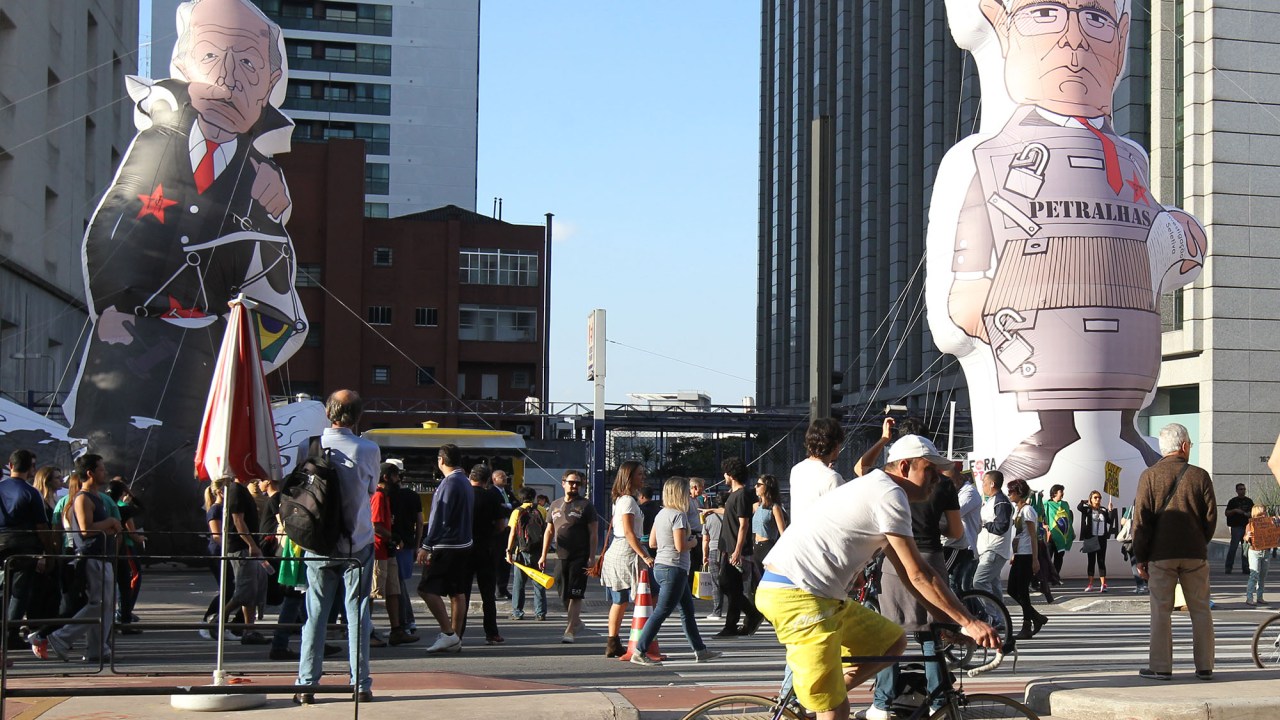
(572, 521)
(240, 501)
(736, 507)
(1241, 503)
(649, 510)
(486, 510)
(927, 516)
(405, 508)
(268, 522)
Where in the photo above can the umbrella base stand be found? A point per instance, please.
(217, 703)
(212, 702)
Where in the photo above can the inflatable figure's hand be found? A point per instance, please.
(965, 303)
(1197, 241)
(114, 326)
(269, 189)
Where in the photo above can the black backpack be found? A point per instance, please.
(311, 504)
(530, 528)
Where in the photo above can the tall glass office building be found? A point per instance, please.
(899, 93)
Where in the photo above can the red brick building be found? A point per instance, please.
(429, 316)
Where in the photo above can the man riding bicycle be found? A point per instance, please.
(804, 589)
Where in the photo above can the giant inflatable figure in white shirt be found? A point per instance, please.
(1047, 252)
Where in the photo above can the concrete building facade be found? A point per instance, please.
(1215, 140)
(402, 75)
(65, 122)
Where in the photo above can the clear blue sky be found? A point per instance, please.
(637, 124)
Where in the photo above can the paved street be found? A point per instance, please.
(1109, 636)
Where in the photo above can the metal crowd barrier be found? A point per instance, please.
(111, 627)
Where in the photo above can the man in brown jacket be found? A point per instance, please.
(1175, 516)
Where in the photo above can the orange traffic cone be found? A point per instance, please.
(644, 606)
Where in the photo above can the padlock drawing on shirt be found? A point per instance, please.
(1026, 171)
(1014, 352)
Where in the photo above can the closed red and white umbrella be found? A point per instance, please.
(237, 435)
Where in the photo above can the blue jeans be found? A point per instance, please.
(405, 564)
(517, 588)
(1259, 561)
(323, 578)
(673, 589)
(292, 609)
(962, 570)
(887, 679)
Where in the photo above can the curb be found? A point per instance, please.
(1237, 694)
(622, 708)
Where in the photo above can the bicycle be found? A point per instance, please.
(1266, 643)
(957, 705)
(975, 659)
(968, 657)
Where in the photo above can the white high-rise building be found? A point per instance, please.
(65, 122)
(400, 74)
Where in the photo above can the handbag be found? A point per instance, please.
(1091, 545)
(702, 585)
(598, 566)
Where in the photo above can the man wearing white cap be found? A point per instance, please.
(803, 591)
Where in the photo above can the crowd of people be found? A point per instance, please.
(753, 557)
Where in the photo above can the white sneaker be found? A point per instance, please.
(715, 616)
(446, 643)
(568, 638)
(874, 713)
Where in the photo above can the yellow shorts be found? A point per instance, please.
(818, 632)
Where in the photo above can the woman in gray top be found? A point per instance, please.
(670, 536)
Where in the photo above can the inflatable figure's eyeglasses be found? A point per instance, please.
(1050, 18)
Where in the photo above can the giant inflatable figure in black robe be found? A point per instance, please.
(194, 217)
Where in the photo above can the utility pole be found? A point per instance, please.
(821, 266)
(595, 373)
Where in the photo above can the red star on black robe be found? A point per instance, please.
(155, 204)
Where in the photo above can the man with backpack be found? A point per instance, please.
(524, 545)
(355, 463)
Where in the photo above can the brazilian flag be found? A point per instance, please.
(273, 333)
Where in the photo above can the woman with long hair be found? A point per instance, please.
(670, 537)
(769, 520)
(1096, 522)
(214, 496)
(47, 482)
(1026, 558)
(625, 556)
(1259, 561)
